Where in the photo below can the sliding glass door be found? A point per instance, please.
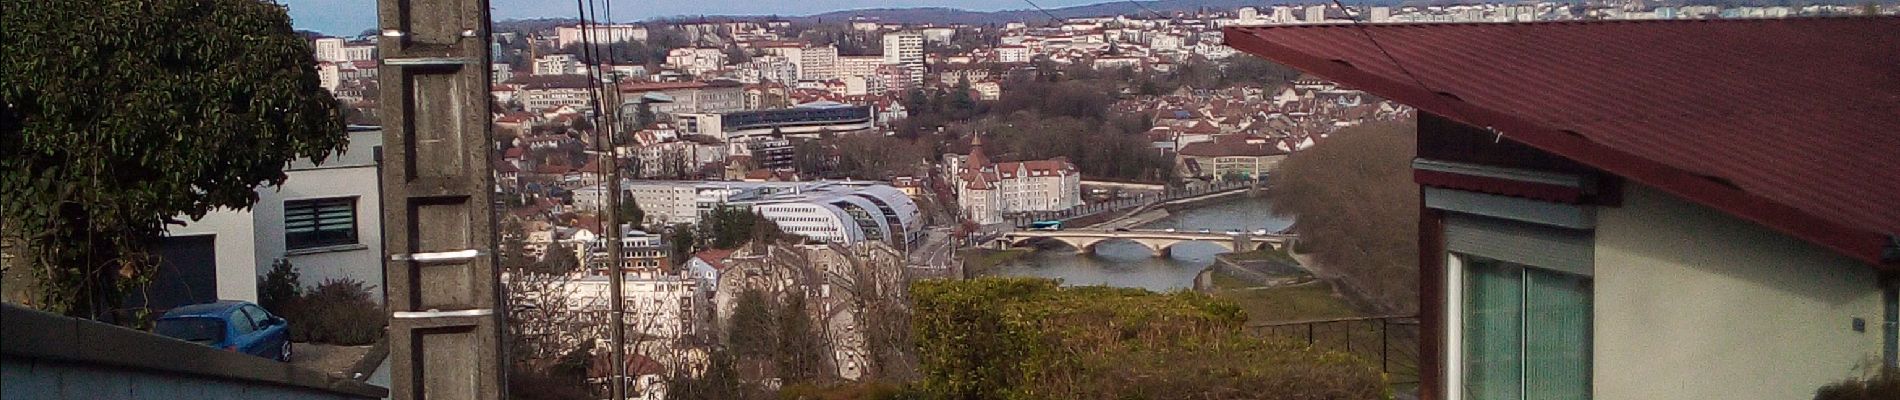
(1526, 332)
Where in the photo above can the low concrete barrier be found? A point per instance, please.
(47, 356)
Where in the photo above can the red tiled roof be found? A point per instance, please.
(636, 87)
(714, 257)
(1233, 146)
(1778, 121)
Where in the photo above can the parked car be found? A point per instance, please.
(232, 325)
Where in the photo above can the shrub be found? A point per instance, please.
(849, 391)
(995, 338)
(1885, 385)
(279, 287)
(339, 311)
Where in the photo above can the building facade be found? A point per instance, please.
(906, 49)
(986, 191)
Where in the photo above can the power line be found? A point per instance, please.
(1052, 16)
(1150, 10)
(1382, 51)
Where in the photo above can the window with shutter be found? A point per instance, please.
(319, 222)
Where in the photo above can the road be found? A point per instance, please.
(934, 252)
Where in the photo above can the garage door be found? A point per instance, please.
(187, 273)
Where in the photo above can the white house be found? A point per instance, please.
(325, 220)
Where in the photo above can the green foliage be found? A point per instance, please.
(850, 391)
(1884, 385)
(514, 246)
(630, 212)
(685, 242)
(120, 116)
(558, 259)
(1358, 209)
(277, 289)
(720, 381)
(338, 311)
(730, 227)
(996, 338)
(565, 380)
(752, 334)
(798, 358)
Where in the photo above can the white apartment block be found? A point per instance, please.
(329, 49)
(696, 60)
(557, 64)
(500, 72)
(568, 35)
(1316, 13)
(863, 66)
(328, 75)
(1013, 54)
(906, 49)
(818, 63)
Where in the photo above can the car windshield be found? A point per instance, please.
(198, 330)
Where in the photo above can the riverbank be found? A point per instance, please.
(1272, 287)
(981, 261)
(1148, 214)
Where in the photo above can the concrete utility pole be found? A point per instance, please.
(612, 219)
(445, 328)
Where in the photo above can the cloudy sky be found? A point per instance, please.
(347, 17)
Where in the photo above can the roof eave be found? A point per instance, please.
(1858, 243)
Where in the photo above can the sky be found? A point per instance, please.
(348, 17)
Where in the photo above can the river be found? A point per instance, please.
(1129, 264)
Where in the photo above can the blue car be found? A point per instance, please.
(232, 325)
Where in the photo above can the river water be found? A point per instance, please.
(1129, 264)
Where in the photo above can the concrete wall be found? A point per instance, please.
(47, 356)
(32, 379)
(1694, 304)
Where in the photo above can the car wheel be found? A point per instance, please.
(284, 354)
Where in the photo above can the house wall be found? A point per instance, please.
(250, 240)
(358, 261)
(1692, 303)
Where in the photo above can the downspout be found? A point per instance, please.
(1890, 296)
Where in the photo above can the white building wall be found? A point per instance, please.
(235, 252)
(249, 241)
(329, 49)
(1694, 304)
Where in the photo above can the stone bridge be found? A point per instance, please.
(1159, 241)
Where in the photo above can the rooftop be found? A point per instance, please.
(1778, 121)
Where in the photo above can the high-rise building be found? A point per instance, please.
(1316, 13)
(906, 49)
(818, 63)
